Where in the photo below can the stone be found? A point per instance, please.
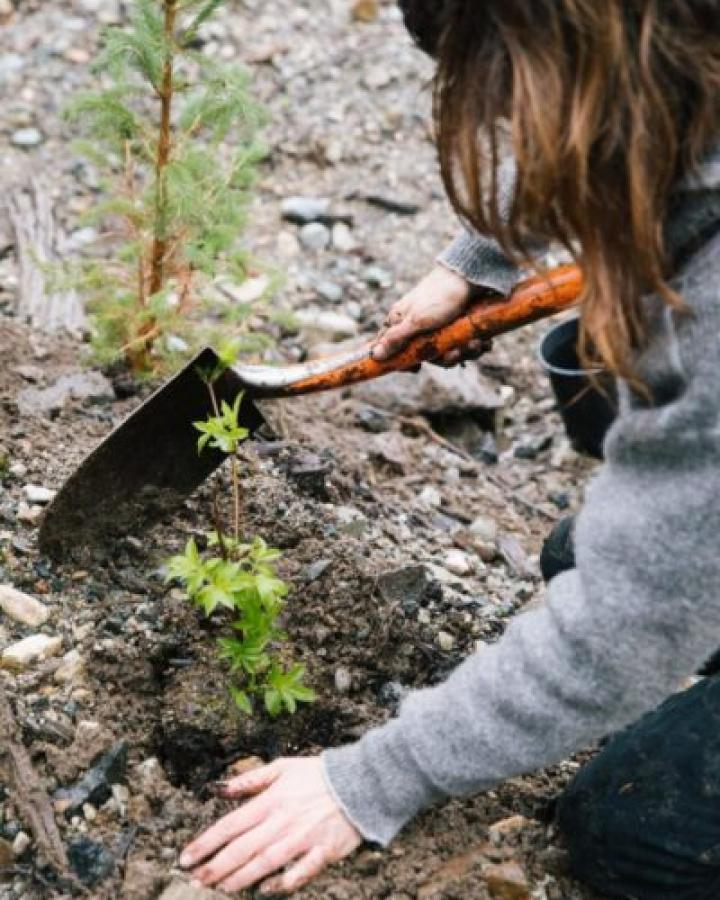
(458, 563)
(515, 557)
(401, 585)
(143, 879)
(21, 843)
(29, 515)
(90, 861)
(350, 520)
(507, 881)
(304, 210)
(337, 324)
(433, 391)
(71, 669)
(377, 277)
(507, 826)
(36, 493)
(317, 570)
(454, 868)
(343, 240)
(22, 607)
(484, 529)
(365, 10)
(430, 496)
(27, 137)
(343, 680)
(445, 641)
(35, 648)
(328, 290)
(95, 785)
(182, 890)
(90, 386)
(315, 236)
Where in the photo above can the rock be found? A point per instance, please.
(21, 843)
(377, 277)
(508, 826)
(27, 137)
(317, 570)
(181, 890)
(336, 324)
(35, 648)
(343, 680)
(454, 868)
(389, 450)
(458, 563)
(531, 448)
(22, 608)
(95, 786)
(90, 386)
(328, 290)
(36, 493)
(143, 879)
(445, 641)
(18, 469)
(400, 585)
(515, 557)
(29, 515)
(350, 521)
(304, 210)
(315, 236)
(392, 693)
(365, 10)
(90, 861)
(7, 857)
(250, 291)
(70, 669)
(433, 391)
(481, 537)
(484, 529)
(507, 881)
(343, 240)
(430, 496)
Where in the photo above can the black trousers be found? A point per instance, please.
(642, 819)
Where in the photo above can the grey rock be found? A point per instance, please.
(327, 321)
(95, 785)
(343, 240)
(317, 570)
(22, 607)
(90, 386)
(406, 584)
(303, 210)
(90, 861)
(27, 137)
(433, 391)
(343, 680)
(329, 290)
(36, 493)
(315, 236)
(377, 277)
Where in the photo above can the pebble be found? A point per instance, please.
(445, 641)
(458, 563)
(343, 680)
(70, 669)
(328, 290)
(507, 881)
(430, 496)
(18, 469)
(365, 10)
(22, 607)
(90, 861)
(181, 890)
(377, 277)
(27, 137)
(343, 240)
(29, 515)
(31, 649)
(304, 210)
(401, 585)
(315, 236)
(35, 493)
(21, 843)
(95, 785)
(337, 324)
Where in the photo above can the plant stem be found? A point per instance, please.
(236, 498)
(138, 359)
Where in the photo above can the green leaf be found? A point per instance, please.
(188, 568)
(241, 700)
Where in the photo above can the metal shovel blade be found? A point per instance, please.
(146, 467)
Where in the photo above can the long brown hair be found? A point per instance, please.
(605, 104)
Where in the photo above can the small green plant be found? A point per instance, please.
(174, 134)
(241, 579)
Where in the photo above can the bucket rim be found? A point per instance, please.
(552, 369)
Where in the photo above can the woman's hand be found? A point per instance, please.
(292, 821)
(440, 298)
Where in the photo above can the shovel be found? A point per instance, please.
(150, 463)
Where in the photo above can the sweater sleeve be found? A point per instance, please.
(616, 634)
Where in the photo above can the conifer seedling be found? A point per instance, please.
(174, 134)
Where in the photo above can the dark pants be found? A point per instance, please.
(642, 819)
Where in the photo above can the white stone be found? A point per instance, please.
(35, 493)
(445, 641)
(315, 236)
(458, 563)
(21, 843)
(337, 324)
(343, 680)
(18, 469)
(22, 607)
(29, 515)
(485, 529)
(70, 669)
(430, 496)
(343, 240)
(31, 649)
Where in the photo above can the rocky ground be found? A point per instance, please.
(410, 513)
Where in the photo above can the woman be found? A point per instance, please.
(611, 109)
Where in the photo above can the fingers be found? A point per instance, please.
(222, 832)
(256, 849)
(252, 782)
(296, 877)
(398, 336)
(265, 863)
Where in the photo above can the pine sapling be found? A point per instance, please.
(174, 134)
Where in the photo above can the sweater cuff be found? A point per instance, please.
(378, 783)
(481, 261)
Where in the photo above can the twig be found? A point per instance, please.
(29, 796)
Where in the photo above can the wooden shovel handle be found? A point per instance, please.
(531, 300)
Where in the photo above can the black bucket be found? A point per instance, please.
(588, 405)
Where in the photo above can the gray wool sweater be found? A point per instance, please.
(641, 610)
